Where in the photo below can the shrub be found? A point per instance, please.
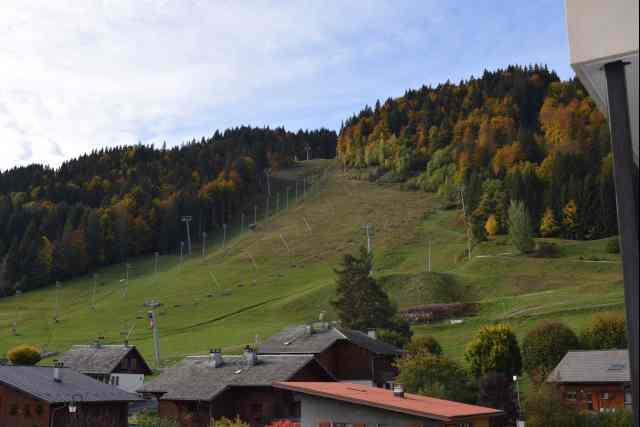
(424, 344)
(494, 349)
(544, 346)
(613, 246)
(547, 250)
(24, 355)
(606, 331)
(435, 312)
(226, 422)
(436, 376)
(284, 423)
(544, 407)
(153, 420)
(392, 337)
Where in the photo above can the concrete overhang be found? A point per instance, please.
(601, 32)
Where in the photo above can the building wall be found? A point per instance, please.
(128, 382)
(19, 409)
(111, 414)
(615, 400)
(320, 412)
(347, 361)
(132, 363)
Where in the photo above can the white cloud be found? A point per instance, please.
(80, 75)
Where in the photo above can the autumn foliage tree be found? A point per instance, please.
(544, 346)
(494, 349)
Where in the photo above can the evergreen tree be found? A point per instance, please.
(520, 227)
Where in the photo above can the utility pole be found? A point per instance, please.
(286, 200)
(241, 222)
(14, 325)
(307, 148)
(57, 315)
(368, 228)
(304, 186)
(255, 215)
(277, 202)
(204, 244)
(466, 221)
(267, 173)
(266, 210)
(224, 235)
(181, 253)
(296, 199)
(156, 339)
(187, 219)
(93, 294)
(155, 262)
(127, 266)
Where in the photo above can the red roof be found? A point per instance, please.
(413, 404)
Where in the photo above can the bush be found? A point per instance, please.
(547, 250)
(606, 331)
(613, 246)
(424, 344)
(544, 347)
(435, 376)
(435, 312)
(153, 420)
(494, 349)
(226, 422)
(24, 355)
(496, 391)
(394, 338)
(544, 407)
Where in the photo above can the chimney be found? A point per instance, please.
(250, 356)
(308, 329)
(398, 391)
(57, 373)
(215, 358)
(126, 343)
(372, 333)
(99, 342)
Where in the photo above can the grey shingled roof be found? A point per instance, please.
(38, 382)
(296, 340)
(193, 379)
(91, 359)
(599, 366)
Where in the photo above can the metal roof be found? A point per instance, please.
(194, 379)
(412, 404)
(298, 340)
(596, 366)
(102, 359)
(38, 382)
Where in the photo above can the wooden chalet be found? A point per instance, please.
(39, 396)
(119, 365)
(596, 380)
(201, 388)
(347, 354)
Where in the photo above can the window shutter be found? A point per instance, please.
(324, 424)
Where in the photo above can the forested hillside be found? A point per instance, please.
(113, 204)
(514, 134)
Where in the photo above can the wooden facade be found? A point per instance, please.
(20, 409)
(597, 397)
(347, 361)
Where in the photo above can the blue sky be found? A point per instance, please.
(83, 75)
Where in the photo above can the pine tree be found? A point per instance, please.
(360, 301)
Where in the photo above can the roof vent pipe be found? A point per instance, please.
(57, 373)
(250, 356)
(398, 390)
(215, 358)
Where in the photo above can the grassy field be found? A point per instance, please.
(282, 273)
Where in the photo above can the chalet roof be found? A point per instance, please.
(595, 366)
(194, 379)
(412, 404)
(38, 382)
(298, 340)
(102, 359)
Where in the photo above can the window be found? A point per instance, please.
(133, 364)
(604, 396)
(627, 398)
(465, 424)
(588, 397)
(572, 395)
(27, 410)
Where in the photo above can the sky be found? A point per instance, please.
(80, 75)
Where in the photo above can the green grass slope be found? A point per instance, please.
(282, 273)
